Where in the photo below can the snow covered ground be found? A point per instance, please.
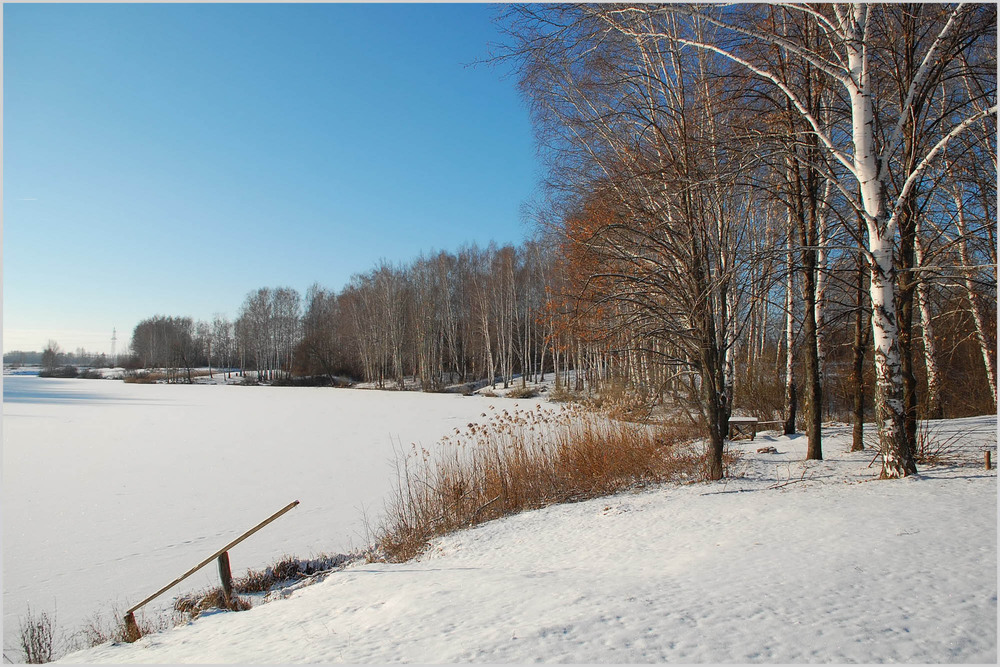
(112, 490)
(792, 562)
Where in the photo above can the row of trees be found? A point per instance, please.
(750, 207)
(54, 356)
(698, 152)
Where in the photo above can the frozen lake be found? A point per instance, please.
(111, 490)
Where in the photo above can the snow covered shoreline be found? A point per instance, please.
(112, 490)
(793, 562)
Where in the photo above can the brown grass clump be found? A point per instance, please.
(523, 460)
(561, 394)
(287, 569)
(194, 605)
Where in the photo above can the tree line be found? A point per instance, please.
(699, 154)
(750, 207)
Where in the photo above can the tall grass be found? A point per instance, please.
(523, 460)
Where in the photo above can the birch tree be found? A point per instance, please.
(850, 46)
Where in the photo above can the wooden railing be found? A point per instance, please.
(132, 632)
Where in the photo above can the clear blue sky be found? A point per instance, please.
(168, 159)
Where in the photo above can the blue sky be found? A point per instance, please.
(168, 159)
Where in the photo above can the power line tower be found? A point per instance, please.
(114, 339)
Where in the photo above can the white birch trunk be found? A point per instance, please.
(974, 305)
(889, 410)
(789, 338)
(934, 407)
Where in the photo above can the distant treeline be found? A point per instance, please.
(80, 357)
(442, 319)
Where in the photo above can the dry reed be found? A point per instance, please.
(522, 460)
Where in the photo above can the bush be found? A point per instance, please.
(37, 634)
(63, 372)
(142, 376)
(562, 394)
(525, 460)
(312, 381)
(932, 450)
(523, 392)
(101, 628)
(287, 569)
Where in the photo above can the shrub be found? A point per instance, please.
(37, 634)
(619, 401)
(103, 628)
(287, 569)
(142, 376)
(561, 394)
(62, 372)
(522, 392)
(932, 450)
(525, 460)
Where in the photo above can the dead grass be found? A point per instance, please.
(151, 377)
(194, 605)
(523, 460)
(285, 570)
(102, 628)
(562, 394)
(37, 637)
(622, 402)
(288, 569)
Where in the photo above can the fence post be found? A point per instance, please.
(227, 577)
(132, 633)
(989, 464)
(132, 629)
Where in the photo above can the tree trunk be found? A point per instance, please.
(790, 394)
(897, 460)
(858, 365)
(988, 349)
(897, 455)
(935, 409)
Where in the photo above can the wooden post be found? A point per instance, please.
(227, 577)
(989, 464)
(218, 554)
(131, 629)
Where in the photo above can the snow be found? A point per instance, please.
(112, 490)
(792, 561)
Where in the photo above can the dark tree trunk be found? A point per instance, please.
(790, 401)
(861, 329)
(906, 287)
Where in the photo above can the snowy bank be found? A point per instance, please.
(111, 490)
(793, 562)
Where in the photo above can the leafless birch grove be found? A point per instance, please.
(782, 211)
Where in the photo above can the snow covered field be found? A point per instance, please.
(111, 490)
(793, 562)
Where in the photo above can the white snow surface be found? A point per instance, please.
(112, 490)
(792, 562)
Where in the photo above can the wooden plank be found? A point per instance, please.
(218, 553)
